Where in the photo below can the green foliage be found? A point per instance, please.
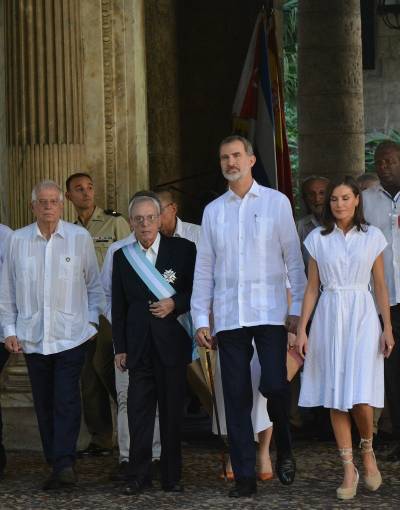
(290, 89)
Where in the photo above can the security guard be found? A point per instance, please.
(98, 377)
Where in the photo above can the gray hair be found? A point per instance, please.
(237, 138)
(46, 184)
(143, 198)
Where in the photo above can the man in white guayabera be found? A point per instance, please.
(50, 301)
(248, 243)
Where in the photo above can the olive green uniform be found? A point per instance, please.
(98, 375)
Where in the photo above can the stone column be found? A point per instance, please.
(162, 91)
(330, 91)
(44, 102)
(115, 102)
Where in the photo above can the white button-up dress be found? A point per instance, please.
(344, 364)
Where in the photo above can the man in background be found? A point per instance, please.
(98, 379)
(382, 209)
(4, 354)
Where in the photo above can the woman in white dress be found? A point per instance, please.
(262, 426)
(344, 353)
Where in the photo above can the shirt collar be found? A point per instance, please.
(58, 231)
(254, 190)
(351, 231)
(97, 215)
(154, 247)
(179, 228)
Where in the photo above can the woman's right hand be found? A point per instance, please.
(301, 343)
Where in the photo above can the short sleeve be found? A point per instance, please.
(310, 243)
(380, 242)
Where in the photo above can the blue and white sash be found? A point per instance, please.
(157, 285)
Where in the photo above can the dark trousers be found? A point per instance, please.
(236, 351)
(392, 378)
(151, 382)
(56, 396)
(4, 355)
(98, 384)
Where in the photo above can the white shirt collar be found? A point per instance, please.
(178, 228)
(58, 231)
(154, 247)
(254, 190)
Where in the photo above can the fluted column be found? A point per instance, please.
(45, 132)
(330, 91)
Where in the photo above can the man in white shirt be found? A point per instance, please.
(248, 243)
(50, 301)
(4, 354)
(171, 224)
(382, 209)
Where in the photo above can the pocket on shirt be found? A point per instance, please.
(69, 268)
(27, 270)
(263, 228)
(66, 325)
(262, 297)
(28, 328)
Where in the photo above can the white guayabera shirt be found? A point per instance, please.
(50, 290)
(247, 248)
(383, 211)
(4, 237)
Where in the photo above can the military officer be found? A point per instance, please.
(98, 377)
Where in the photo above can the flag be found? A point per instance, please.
(258, 109)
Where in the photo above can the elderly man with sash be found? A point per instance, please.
(151, 290)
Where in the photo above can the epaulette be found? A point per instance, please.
(111, 212)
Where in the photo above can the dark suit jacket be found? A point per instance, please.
(131, 319)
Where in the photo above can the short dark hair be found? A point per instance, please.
(328, 220)
(76, 176)
(237, 138)
(387, 145)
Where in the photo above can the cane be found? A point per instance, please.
(210, 374)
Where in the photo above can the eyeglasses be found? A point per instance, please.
(150, 218)
(45, 203)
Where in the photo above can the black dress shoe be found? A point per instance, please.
(67, 477)
(52, 483)
(121, 473)
(156, 469)
(286, 469)
(394, 455)
(137, 487)
(94, 450)
(175, 487)
(244, 488)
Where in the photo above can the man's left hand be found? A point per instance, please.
(162, 308)
(291, 323)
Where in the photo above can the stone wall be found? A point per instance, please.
(382, 85)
